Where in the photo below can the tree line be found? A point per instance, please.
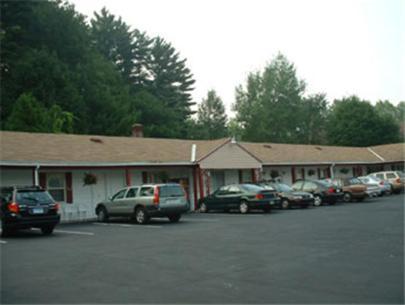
(62, 73)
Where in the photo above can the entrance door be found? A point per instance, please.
(217, 179)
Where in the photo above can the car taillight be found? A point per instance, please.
(381, 182)
(57, 206)
(398, 180)
(13, 207)
(156, 196)
(259, 196)
(331, 190)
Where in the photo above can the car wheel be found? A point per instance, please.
(317, 200)
(285, 204)
(347, 197)
(47, 230)
(102, 215)
(174, 218)
(203, 208)
(243, 207)
(141, 216)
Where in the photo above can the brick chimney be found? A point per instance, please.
(137, 130)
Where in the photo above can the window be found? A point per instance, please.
(380, 176)
(132, 192)
(297, 186)
(119, 195)
(56, 186)
(391, 176)
(309, 187)
(146, 191)
(234, 189)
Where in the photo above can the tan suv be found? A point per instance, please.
(145, 201)
(394, 178)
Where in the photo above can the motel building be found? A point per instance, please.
(79, 171)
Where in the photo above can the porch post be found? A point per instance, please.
(195, 187)
(293, 174)
(127, 176)
(201, 182)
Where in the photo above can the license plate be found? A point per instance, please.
(38, 211)
(338, 191)
(271, 202)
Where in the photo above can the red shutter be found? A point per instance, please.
(253, 174)
(42, 180)
(69, 192)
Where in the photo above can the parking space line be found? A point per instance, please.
(126, 225)
(75, 232)
(3, 242)
(68, 232)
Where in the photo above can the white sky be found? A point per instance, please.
(339, 47)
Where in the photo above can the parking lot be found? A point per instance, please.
(348, 253)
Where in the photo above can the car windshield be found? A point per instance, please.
(171, 191)
(251, 188)
(27, 197)
(355, 181)
(401, 174)
(325, 183)
(283, 187)
(268, 187)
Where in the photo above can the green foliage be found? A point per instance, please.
(354, 122)
(269, 107)
(211, 117)
(30, 115)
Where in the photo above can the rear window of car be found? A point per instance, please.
(251, 188)
(27, 197)
(391, 176)
(283, 188)
(171, 191)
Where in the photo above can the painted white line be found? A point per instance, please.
(3, 242)
(74, 232)
(202, 220)
(126, 225)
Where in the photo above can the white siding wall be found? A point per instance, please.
(16, 177)
(231, 176)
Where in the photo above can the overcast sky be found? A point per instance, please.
(339, 47)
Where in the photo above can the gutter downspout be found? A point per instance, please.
(36, 175)
(332, 170)
(193, 152)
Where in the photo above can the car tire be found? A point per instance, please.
(347, 197)
(47, 230)
(102, 214)
(174, 218)
(243, 207)
(317, 200)
(203, 208)
(141, 216)
(285, 204)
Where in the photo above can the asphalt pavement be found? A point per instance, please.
(348, 253)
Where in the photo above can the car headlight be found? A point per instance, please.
(311, 196)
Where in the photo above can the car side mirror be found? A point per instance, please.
(109, 198)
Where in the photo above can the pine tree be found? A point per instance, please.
(211, 117)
